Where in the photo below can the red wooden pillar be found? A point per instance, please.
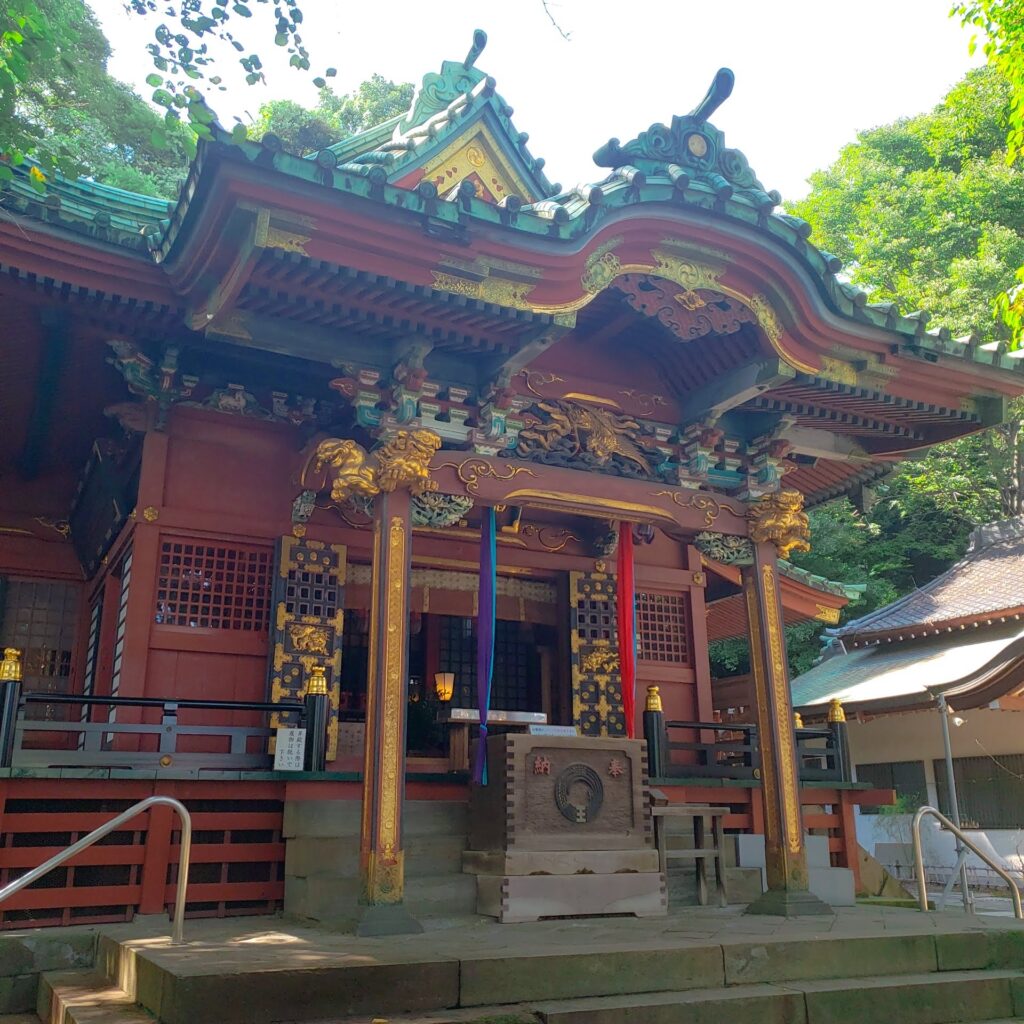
(785, 857)
(153, 883)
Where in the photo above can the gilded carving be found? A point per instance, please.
(394, 671)
(780, 688)
(535, 378)
(780, 518)
(310, 639)
(602, 267)
(571, 432)
(548, 537)
(699, 502)
(404, 461)
(766, 317)
(601, 660)
(439, 510)
(827, 614)
(349, 473)
(500, 291)
(472, 471)
(688, 274)
(838, 370)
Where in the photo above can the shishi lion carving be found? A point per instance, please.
(780, 518)
(402, 461)
(309, 639)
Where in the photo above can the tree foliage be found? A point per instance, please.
(1001, 23)
(926, 212)
(304, 130)
(70, 112)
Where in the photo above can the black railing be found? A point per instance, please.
(728, 750)
(100, 740)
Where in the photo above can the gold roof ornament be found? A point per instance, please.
(780, 518)
(10, 667)
(798, 720)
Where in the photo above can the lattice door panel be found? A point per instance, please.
(596, 686)
(663, 628)
(308, 621)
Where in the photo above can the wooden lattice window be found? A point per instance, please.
(595, 620)
(311, 593)
(214, 586)
(39, 618)
(515, 685)
(663, 628)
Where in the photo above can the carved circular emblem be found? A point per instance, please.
(579, 793)
(697, 145)
(475, 157)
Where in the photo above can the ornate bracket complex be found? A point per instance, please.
(780, 518)
(402, 462)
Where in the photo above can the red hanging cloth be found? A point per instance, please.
(626, 621)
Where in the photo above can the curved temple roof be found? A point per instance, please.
(476, 255)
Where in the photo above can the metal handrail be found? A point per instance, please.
(922, 889)
(178, 927)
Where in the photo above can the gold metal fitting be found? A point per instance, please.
(653, 699)
(317, 681)
(798, 721)
(835, 711)
(10, 667)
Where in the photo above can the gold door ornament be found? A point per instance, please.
(596, 685)
(307, 626)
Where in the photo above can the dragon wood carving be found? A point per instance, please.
(571, 432)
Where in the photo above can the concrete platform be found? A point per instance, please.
(264, 970)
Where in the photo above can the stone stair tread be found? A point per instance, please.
(622, 1007)
(898, 980)
(80, 997)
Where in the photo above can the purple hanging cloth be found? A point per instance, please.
(486, 611)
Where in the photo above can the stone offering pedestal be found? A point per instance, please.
(562, 830)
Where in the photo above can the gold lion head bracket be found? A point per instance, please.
(781, 519)
(344, 467)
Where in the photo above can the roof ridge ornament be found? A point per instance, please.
(696, 146)
(438, 90)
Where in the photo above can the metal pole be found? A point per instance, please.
(178, 926)
(954, 805)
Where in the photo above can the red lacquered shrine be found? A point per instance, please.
(249, 439)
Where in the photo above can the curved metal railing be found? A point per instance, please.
(178, 926)
(922, 888)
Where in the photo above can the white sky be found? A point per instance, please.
(809, 73)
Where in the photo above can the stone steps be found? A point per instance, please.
(911, 999)
(927, 978)
(80, 997)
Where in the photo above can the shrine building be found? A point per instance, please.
(335, 424)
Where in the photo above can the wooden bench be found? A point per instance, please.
(662, 810)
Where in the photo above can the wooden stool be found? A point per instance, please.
(700, 853)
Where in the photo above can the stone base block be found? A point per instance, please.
(565, 862)
(834, 886)
(516, 898)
